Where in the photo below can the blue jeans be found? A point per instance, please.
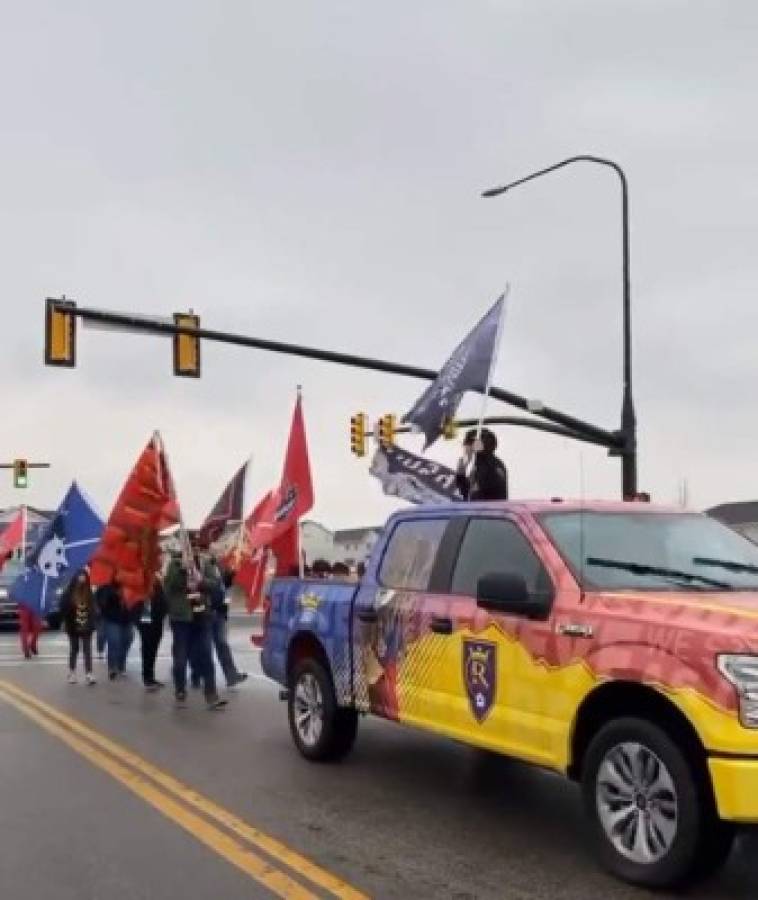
(118, 638)
(192, 641)
(100, 629)
(223, 650)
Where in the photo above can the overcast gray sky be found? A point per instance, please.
(310, 171)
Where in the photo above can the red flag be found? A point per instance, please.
(279, 511)
(228, 508)
(146, 506)
(12, 538)
(250, 578)
(296, 488)
(274, 523)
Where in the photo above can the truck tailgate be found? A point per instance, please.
(310, 607)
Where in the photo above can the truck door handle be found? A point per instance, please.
(442, 625)
(367, 615)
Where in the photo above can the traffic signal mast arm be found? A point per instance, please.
(570, 426)
(521, 421)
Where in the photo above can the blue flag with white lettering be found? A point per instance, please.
(468, 369)
(66, 546)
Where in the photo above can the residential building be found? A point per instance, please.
(350, 545)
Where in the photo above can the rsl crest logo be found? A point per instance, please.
(480, 676)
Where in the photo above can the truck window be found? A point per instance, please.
(410, 554)
(496, 545)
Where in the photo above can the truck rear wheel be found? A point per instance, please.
(653, 821)
(321, 730)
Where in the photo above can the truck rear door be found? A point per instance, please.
(396, 607)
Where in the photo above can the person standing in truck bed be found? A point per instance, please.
(488, 476)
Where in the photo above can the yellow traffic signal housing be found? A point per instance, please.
(186, 347)
(387, 428)
(20, 473)
(358, 434)
(449, 430)
(60, 333)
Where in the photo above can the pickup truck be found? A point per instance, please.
(614, 643)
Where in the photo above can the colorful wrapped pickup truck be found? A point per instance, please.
(615, 643)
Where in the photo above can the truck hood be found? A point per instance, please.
(688, 608)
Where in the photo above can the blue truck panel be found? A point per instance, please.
(312, 608)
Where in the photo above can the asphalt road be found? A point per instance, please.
(407, 815)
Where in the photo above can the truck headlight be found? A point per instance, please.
(741, 670)
(3, 594)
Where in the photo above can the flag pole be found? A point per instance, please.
(189, 558)
(23, 532)
(493, 363)
(298, 538)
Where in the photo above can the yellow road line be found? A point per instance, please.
(274, 848)
(275, 881)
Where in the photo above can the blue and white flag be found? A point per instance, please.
(66, 546)
(468, 369)
(413, 478)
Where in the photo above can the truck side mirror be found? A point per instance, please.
(507, 592)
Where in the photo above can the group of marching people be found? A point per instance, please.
(196, 606)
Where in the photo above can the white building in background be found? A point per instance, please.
(316, 541)
(354, 545)
(351, 545)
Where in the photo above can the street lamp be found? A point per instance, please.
(628, 418)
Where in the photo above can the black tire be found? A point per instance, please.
(335, 728)
(680, 827)
(716, 849)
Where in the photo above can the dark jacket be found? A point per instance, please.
(157, 609)
(175, 585)
(488, 481)
(183, 605)
(212, 586)
(111, 605)
(77, 609)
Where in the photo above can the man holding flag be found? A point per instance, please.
(468, 369)
(481, 475)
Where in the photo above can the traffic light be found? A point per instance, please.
(60, 333)
(358, 434)
(449, 429)
(186, 347)
(387, 427)
(20, 473)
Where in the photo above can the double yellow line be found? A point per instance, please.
(187, 808)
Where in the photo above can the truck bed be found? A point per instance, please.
(310, 608)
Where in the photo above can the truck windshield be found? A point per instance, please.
(653, 551)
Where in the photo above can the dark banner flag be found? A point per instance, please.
(468, 369)
(228, 509)
(413, 478)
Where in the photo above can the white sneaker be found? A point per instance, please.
(71, 678)
(90, 679)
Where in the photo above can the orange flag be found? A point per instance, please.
(146, 506)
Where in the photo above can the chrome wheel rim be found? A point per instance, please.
(308, 709)
(637, 803)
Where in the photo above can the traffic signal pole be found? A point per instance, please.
(571, 426)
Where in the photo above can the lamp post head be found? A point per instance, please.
(494, 192)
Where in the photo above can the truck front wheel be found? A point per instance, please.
(321, 730)
(652, 817)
